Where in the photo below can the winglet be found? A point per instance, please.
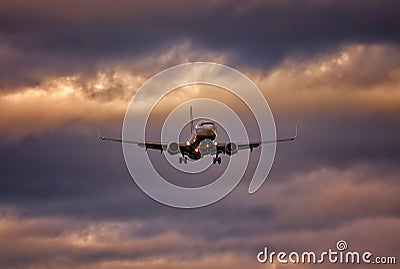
(283, 139)
(295, 135)
(101, 137)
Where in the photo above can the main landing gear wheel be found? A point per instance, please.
(217, 159)
(182, 159)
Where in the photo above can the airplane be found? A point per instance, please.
(201, 143)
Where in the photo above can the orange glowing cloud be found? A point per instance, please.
(358, 80)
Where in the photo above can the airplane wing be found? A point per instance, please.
(232, 147)
(222, 148)
(147, 145)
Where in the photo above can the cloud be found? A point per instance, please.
(73, 242)
(83, 98)
(77, 207)
(359, 81)
(71, 67)
(66, 242)
(57, 102)
(71, 36)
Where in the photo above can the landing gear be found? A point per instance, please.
(182, 159)
(217, 160)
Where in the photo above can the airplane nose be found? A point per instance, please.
(207, 147)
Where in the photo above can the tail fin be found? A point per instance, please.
(191, 119)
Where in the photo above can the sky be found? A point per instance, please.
(70, 68)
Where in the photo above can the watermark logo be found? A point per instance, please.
(341, 245)
(339, 255)
(145, 173)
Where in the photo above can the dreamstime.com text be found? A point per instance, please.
(339, 255)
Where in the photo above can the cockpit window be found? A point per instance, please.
(206, 123)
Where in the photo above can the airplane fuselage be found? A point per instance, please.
(202, 142)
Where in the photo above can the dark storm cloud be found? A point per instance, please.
(67, 37)
(77, 175)
(341, 143)
(65, 189)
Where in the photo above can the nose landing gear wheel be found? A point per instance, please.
(182, 160)
(217, 159)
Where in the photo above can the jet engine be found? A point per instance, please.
(173, 148)
(231, 148)
(207, 147)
